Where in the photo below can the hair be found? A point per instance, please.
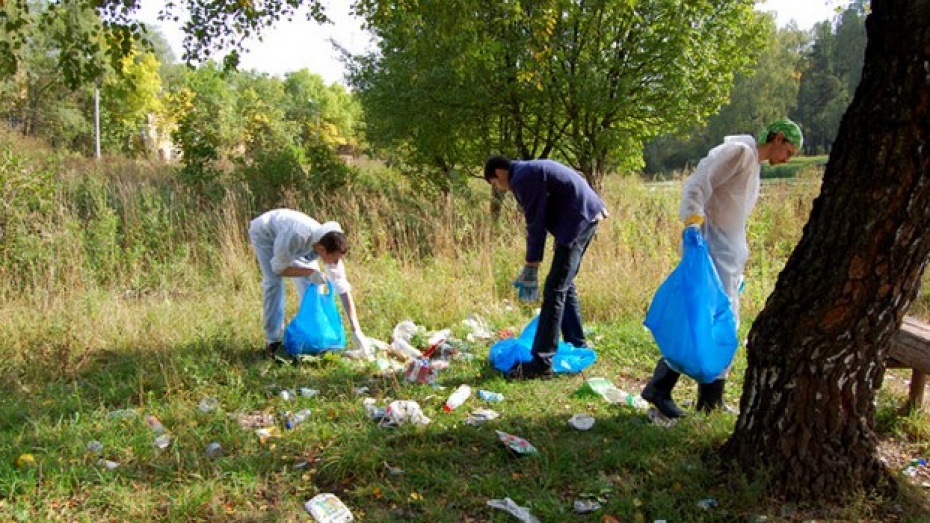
(335, 241)
(493, 163)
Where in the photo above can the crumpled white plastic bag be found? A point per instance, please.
(402, 412)
(509, 505)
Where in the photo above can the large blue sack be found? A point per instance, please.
(690, 315)
(317, 327)
(506, 353)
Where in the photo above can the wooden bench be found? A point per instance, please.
(910, 349)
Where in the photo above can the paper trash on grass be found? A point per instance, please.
(509, 505)
(327, 508)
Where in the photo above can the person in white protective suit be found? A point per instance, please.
(717, 198)
(290, 244)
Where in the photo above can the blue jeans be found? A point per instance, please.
(560, 307)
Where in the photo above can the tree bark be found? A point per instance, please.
(816, 353)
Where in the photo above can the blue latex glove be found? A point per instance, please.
(527, 284)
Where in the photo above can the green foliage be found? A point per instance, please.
(28, 190)
(587, 83)
(760, 96)
(830, 77)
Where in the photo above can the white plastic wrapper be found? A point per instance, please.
(509, 505)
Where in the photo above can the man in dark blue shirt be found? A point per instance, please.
(557, 200)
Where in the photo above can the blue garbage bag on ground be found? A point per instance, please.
(690, 315)
(505, 354)
(317, 327)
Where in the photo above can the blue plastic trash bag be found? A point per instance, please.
(690, 316)
(317, 327)
(505, 354)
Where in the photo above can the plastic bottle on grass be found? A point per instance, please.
(489, 396)
(459, 396)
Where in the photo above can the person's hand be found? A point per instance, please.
(695, 220)
(527, 284)
(317, 278)
(361, 342)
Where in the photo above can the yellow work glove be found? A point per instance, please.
(695, 220)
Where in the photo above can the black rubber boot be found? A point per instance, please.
(710, 397)
(659, 390)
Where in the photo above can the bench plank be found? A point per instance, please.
(910, 349)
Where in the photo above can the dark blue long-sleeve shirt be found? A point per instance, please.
(555, 199)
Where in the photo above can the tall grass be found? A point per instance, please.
(119, 288)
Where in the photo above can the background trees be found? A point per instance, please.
(586, 82)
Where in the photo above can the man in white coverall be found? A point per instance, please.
(717, 198)
(291, 244)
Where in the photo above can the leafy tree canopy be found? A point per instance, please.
(210, 25)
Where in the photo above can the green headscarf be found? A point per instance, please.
(790, 129)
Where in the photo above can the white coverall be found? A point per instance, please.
(723, 189)
(284, 238)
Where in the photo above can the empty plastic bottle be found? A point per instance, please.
(459, 396)
(489, 396)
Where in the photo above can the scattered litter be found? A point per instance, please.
(374, 412)
(510, 506)
(308, 392)
(457, 398)
(516, 444)
(163, 441)
(107, 464)
(403, 412)
(154, 424)
(386, 365)
(581, 421)
(208, 405)
(360, 390)
(392, 470)
(491, 397)
(420, 371)
(95, 447)
(478, 327)
(327, 508)
(657, 418)
(287, 395)
(255, 420)
(605, 389)
(479, 416)
(213, 450)
(708, 503)
(585, 506)
(122, 414)
(266, 433)
(400, 344)
(297, 418)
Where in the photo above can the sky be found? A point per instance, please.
(291, 46)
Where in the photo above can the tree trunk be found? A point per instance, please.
(816, 352)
